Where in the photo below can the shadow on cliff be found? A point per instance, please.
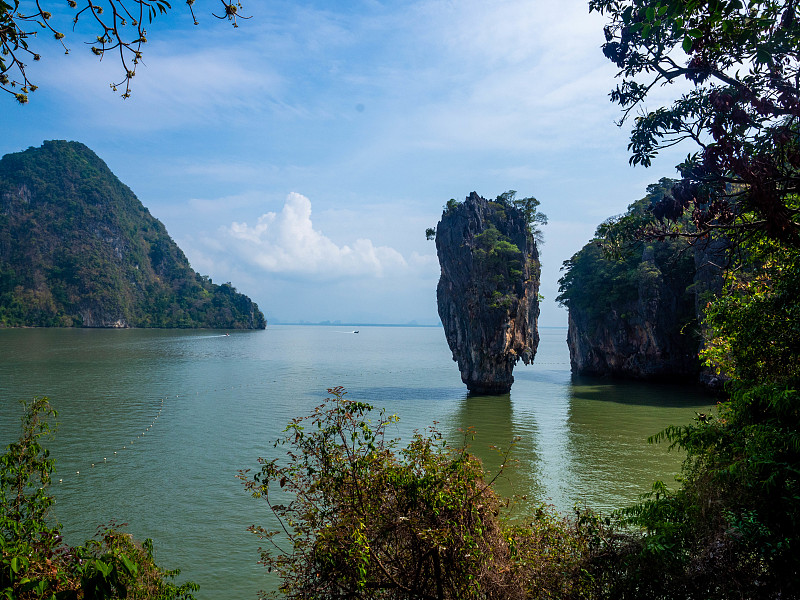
(640, 393)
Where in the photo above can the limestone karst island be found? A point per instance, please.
(78, 249)
(488, 290)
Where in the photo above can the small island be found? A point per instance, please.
(488, 293)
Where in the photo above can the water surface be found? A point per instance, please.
(168, 418)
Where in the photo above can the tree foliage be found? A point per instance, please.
(754, 326)
(36, 564)
(741, 61)
(117, 27)
(530, 210)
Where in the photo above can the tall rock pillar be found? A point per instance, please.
(488, 290)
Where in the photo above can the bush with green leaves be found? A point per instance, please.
(36, 563)
(354, 515)
(754, 327)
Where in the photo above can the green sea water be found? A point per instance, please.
(168, 418)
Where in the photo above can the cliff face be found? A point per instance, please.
(652, 334)
(639, 315)
(77, 248)
(488, 291)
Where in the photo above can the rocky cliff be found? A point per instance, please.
(78, 249)
(650, 331)
(638, 315)
(488, 290)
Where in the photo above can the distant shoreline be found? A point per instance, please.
(269, 324)
(329, 324)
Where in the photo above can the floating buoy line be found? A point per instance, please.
(109, 456)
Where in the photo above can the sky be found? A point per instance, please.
(302, 155)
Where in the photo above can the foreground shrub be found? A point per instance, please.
(35, 563)
(731, 529)
(354, 515)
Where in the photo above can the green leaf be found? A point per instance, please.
(687, 44)
(103, 567)
(129, 565)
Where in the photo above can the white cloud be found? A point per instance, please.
(287, 243)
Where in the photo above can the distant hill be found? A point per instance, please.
(78, 249)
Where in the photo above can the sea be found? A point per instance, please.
(155, 425)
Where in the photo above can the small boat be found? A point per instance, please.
(356, 331)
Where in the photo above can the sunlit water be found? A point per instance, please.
(213, 404)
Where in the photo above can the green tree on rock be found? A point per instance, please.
(530, 209)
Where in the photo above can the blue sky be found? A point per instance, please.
(302, 155)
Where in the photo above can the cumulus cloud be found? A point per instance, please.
(287, 242)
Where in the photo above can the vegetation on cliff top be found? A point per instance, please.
(77, 248)
(605, 277)
(495, 254)
(529, 207)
